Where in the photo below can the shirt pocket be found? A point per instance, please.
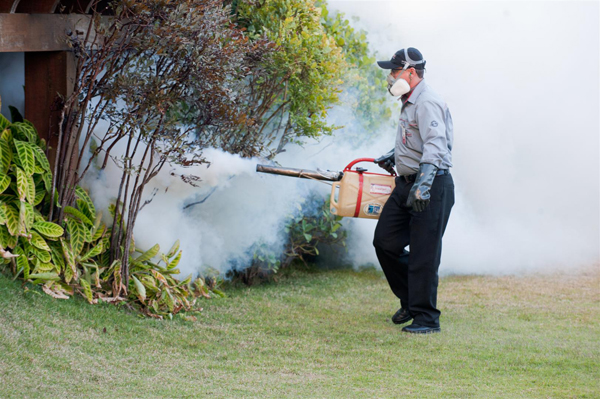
(410, 136)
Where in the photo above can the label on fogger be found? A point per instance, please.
(372, 209)
(380, 189)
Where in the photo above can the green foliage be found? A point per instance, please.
(313, 225)
(310, 227)
(301, 79)
(73, 257)
(365, 87)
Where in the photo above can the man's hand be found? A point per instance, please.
(419, 194)
(387, 162)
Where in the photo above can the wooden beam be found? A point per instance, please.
(39, 32)
(8, 5)
(48, 75)
(37, 6)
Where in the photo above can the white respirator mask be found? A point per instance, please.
(397, 87)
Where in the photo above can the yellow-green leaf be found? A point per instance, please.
(25, 131)
(149, 254)
(4, 182)
(173, 249)
(87, 290)
(77, 235)
(26, 157)
(26, 216)
(5, 152)
(95, 251)
(22, 184)
(7, 240)
(42, 255)
(38, 242)
(44, 276)
(78, 214)
(22, 262)
(83, 195)
(41, 159)
(30, 194)
(4, 123)
(48, 229)
(175, 261)
(139, 287)
(57, 257)
(12, 219)
(47, 177)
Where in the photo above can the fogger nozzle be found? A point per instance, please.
(301, 173)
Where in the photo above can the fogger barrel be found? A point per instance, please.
(355, 193)
(301, 173)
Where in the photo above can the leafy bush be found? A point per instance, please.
(74, 257)
(310, 227)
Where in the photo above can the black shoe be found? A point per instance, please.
(401, 316)
(419, 329)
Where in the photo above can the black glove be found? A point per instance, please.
(419, 194)
(387, 161)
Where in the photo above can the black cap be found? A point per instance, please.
(411, 55)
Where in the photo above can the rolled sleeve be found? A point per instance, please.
(432, 128)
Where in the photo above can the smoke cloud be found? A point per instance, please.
(521, 81)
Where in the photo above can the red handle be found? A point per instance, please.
(351, 164)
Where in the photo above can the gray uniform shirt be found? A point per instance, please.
(424, 133)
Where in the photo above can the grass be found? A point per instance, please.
(313, 334)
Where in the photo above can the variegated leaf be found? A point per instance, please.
(6, 154)
(78, 214)
(7, 240)
(30, 195)
(140, 289)
(12, 219)
(95, 251)
(41, 158)
(47, 177)
(39, 197)
(4, 182)
(44, 276)
(173, 249)
(38, 242)
(26, 216)
(43, 256)
(70, 266)
(4, 123)
(22, 262)
(87, 290)
(149, 254)
(175, 261)
(26, 157)
(48, 229)
(24, 131)
(22, 184)
(99, 232)
(77, 235)
(84, 196)
(57, 256)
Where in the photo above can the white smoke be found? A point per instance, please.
(521, 81)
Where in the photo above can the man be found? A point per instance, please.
(417, 211)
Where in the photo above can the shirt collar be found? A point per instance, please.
(414, 94)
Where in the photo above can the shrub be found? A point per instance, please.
(72, 256)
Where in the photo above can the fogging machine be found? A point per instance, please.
(354, 193)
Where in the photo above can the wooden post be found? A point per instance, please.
(48, 77)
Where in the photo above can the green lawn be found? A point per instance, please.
(313, 334)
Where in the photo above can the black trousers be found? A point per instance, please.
(413, 276)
